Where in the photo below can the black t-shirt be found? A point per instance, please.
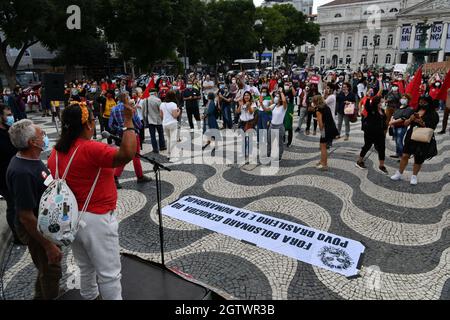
(7, 152)
(191, 93)
(25, 181)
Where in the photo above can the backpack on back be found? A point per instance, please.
(59, 218)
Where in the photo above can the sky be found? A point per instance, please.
(317, 3)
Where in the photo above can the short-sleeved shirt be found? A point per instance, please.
(167, 109)
(91, 156)
(25, 180)
(194, 93)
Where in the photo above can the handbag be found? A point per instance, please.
(349, 109)
(422, 134)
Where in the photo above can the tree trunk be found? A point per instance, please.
(9, 72)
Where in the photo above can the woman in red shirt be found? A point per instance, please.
(96, 247)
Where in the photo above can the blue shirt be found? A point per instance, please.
(116, 120)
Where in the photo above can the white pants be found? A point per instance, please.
(170, 131)
(96, 251)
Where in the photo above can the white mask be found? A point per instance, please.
(404, 102)
(394, 89)
(276, 100)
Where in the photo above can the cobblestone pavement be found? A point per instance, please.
(405, 229)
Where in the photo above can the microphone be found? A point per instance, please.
(106, 135)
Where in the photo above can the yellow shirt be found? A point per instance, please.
(110, 103)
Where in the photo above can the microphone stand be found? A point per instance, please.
(157, 169)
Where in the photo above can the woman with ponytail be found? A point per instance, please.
(96, 247)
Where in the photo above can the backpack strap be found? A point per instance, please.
(88, 199)
(68, 165)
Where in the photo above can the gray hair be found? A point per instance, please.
(21, 132)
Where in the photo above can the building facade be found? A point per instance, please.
(357, 33)
(305, 6)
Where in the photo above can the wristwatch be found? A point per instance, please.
(128, 129)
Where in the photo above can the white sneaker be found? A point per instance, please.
(397, 176)
(413, 180)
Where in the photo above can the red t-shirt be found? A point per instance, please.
(91, 156)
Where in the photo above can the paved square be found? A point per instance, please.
(405, 229)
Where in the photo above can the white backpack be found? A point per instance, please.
(59, 218)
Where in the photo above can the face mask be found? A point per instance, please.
(394, 89)
(286, 88)
(163, 83)
(233, 81)
(117, 92)
(264, 94)
(383, 106)
(404, 102)
(221, 86)
(9, 121)
(46, 144)
(307, 88)
(189, 86)
(93, 90)
(438, 84)
(276, 100)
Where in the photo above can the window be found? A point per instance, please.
(322, 60)
(393, 10)
(349, 42)
(365, 13)
(338, 15)
(388, 59)
(322, 43)
(348, 59)
(376, 40)
(390, 40)
(375, 59)
(363, 59)
(364, 41)
(336, 42)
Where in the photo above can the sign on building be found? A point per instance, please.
(436, 35)
(447, 46)
(405, 37)
(420, 30)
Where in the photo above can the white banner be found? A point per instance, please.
(316, 247)
(447, 43)
(419, 31)
(405, 37)
(436, 35)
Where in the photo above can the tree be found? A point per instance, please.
(145, 30)
(24, 23)
(298, 30)
(272, 29)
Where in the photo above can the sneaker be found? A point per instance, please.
(314, 132)
(397, 176)
(413, 180)
(346, 138)
(297, 130)
(361, 165)
(383, 169)
(144, 179)
(163, 149)
(394, 156)
(322, 167)
(307, 132)
(441, 132)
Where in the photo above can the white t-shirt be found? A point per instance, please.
(209, 83)
(245, 115)
(167, 109)
(331, 103)
(278, 113)
(361, 90)
(139, 108)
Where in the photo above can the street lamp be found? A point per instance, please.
(258, 25)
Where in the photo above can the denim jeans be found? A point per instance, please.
(399, 134)
(227, 121)
(301, 118)
(343, 118)
(162, 143)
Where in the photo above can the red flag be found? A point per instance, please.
(150, 86)
(445, 86)
(413, 89)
